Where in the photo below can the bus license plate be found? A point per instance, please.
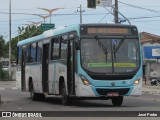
(113, 94)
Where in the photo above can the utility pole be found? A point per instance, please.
(80, 13)
(116, 11)
(9, 66)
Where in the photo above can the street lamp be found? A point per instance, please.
(35, 23)
(44, 17)
(50, 11)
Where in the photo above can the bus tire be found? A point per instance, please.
(66, 100)
(117, 101)
(33, 95)
(42, 97)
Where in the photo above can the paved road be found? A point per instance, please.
(15, 100)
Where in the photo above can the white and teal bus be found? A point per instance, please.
(83, 61)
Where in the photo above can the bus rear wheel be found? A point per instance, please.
(35, 96)
(32, 93)
(117, 101)
(66, 100)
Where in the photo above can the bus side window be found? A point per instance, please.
(19, 57)
(28, 54)
(30, 58)
(63, 50)
(55, 45)
(33, 52)
(39, 51)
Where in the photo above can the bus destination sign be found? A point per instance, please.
(107, 30)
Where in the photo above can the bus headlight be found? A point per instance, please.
(85, 80)
(136, 82)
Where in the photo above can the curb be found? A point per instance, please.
(151, 91)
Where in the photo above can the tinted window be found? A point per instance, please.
(39, 51)
(19, 55)
(63, 50)
(33, 52)
(28, 54)
(55, 49)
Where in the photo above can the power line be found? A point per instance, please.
(134, 18)
(20, 13)
(143, 17)
(155, 11)
(21, 19)
(148, 21)
(52, 15)
(104, 17)
(37, 9)
(109, 12)
(150, 28)
(19, 9)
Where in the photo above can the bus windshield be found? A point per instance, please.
(110, 55)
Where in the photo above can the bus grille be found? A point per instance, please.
(106, 91)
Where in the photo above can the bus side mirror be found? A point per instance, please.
(77, 45)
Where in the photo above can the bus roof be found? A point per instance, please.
(61, 30)
(48, 34)
(112, 25)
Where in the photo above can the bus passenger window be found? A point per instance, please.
(19, 55)
(33, 52)
(39, 51)
(63, 50)
(55, 49)
(28, 54)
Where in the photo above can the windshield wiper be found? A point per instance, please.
(116, 48)
(119, 45)
(103, 47)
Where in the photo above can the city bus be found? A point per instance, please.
(82, 61)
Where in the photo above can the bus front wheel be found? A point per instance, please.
(65, 99)
(117, 101)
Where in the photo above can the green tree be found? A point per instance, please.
(25, 33)
(2, 45)
(3, 74)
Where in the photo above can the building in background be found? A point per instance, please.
(5, 63)
(151, 53)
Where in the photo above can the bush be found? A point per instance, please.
(4, 75)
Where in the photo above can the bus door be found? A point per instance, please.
(70, 68)
(23, 65)
(45, 67)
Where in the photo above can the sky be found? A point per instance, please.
(135, 10)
